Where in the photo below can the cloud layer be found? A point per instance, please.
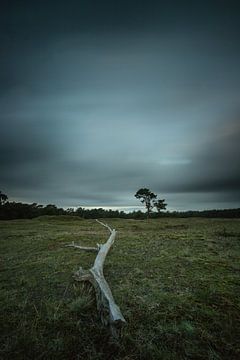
(95, 105)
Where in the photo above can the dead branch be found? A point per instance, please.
(86, 248)
(109, 311)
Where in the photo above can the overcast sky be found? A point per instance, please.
(101, 98)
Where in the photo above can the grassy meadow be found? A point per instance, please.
(177, 282)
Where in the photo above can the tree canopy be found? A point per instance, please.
(160, 205)
(3, 198)
(147, 198)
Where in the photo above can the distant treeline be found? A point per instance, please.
(17, 210)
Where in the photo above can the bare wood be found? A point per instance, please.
(109, 311)
(86, 248)
(106, 225)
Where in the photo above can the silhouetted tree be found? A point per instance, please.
(3, 198)
(160, 205)
(50, 209)
(70, 211)
(80, 212)
(147, 198)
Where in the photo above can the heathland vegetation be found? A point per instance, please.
(176, 281)
(175, 277)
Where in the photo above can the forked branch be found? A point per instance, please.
(109, 311)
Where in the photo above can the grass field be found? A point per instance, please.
(177, 282)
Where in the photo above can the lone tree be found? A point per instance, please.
(3, 198)
(160, 205)
(147, 198)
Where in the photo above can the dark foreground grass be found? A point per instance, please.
(176, 281)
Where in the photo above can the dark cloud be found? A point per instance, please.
(99, 98)
(217, 166)
(92, 15)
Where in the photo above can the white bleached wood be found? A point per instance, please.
(106, 225)
(109, 311)
(86, 248)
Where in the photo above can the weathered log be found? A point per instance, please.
(109, 311)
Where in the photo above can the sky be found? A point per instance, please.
(101, 98)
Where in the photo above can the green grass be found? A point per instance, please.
(177, 282)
